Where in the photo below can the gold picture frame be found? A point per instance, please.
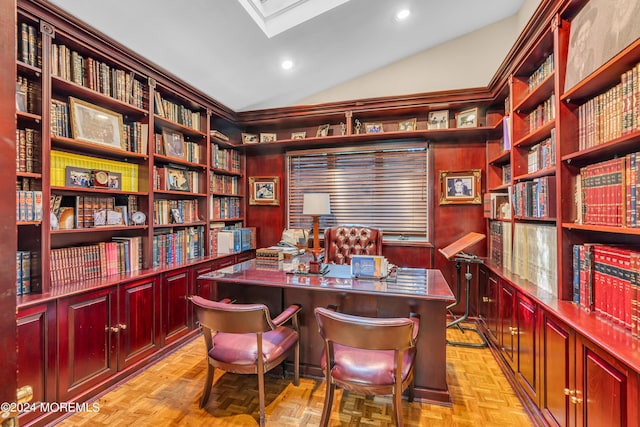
(323, 130)
(264, 190)
(467, 118)
(249, 138)
(407, 125)
(460, 187)
(96, 125)
(373, 128)
(298, 135)
(173, 143)
(268, 137)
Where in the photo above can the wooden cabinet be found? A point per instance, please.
(488, 303)
(176, 308)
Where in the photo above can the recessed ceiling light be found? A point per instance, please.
(287, 65)
(403, 14)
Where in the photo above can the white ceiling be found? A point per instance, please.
(217, 47)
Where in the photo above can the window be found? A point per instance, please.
(381, 186)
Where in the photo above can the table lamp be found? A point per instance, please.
(316, 204)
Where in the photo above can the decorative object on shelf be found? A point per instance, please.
(66, 220)
(467, 118)
(176, 216)
(21, 98)
(316, 204)
(217, 134)
(438, 120)
(53, 221)
(177, 180)
(138, 218)
(100, 178)
(343, 128)
(249, 138)
(407, 125)
(115, 180)
(298, 135)
(78, 177)
(94, 124)
(264, 190)
(373, 128)
(107, 217)
(358, 126)
(460, 187)
(323, 130)
(268, 137)
(173, 143)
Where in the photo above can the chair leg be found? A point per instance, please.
(328, 403)
(207, 385)
(411, 389)
(296, 365)
(397, 405)
(261, 396)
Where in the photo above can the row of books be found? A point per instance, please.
(84, 208)
(178, 246)
(224, 184)
(227, 240)
(189, 151)
(611, 114)
(96, 75)
(535, 198)
(28, 150)
(225, 159)
(29, 45)
(27, 96)
(136, 137)
(79, 263)
(175, 211)
(23, 272)
(60, 160)
(542, 72)
(500, 244)
(544, 113)
(535, 255)
(606, 280)
(176, 112)
(543, 154)
(24, 183)
(28, 205)
(176, 178)
(496, 206)
(60, 118)
(224, 207)
(506, 173)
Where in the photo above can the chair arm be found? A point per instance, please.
(287, 314)
(415, 317)
(227, 301)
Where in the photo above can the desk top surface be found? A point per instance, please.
(417, 282)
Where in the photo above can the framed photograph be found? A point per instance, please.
(21, 98)
(407, 125)
(173, 143)
(373, 128)
(323, 130)
(115, 181)
(78, 177)
(438, 119)
(249, 138)
(94, 124)
(176, 216)
(460, 187)
(467, 118)
(298, 135)
(264, 190)
(177, 180)
(268, 137)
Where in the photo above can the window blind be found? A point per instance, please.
(380, 186)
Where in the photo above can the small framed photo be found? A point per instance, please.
(298, 135)
(176, 216)
(438, 119)
(373, 128)
(177, 180)
(21, 98)
(268, 137)
(460, 187)
(249, 138)
(173, 143)
(90, 123)
(467, 118)
(264, 190)
(323, 130)
(78, 177)
(407, 125)
(115, 181)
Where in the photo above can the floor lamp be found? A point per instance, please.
(316, 204)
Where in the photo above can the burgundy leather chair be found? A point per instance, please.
(344, 241)
(372, 356)
(235, 334)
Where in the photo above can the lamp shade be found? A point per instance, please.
(316, 204)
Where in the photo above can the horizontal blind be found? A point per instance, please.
(378, 186)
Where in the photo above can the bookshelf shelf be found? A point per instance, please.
(536, 136)
(535, 219)
(102, 229)
(97, 149)
(36, 118)
(542, 172)
(77, 190)
(175, 160)
(501, 159)
(29, 175)
(601, 229)
(24, 223)
(26, 69)
(164, 122)
(536, 96)
(617, 147)
(174, 225)
(178, 193)
(500, 188)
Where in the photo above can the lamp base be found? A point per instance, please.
(314, 267)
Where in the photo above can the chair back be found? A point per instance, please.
(232, 318)
(343, 241)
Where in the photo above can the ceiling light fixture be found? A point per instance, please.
(287, 65)
(403, 14)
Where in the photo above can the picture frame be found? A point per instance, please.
(264, 190)
(268, 137)
(373, 128)
(173, 143)
(176, 216)
(467, 118)
(115, 181)
(408, 125)
(177, 179)
(78, 177)
(249, 138)
(460, 187)
(298, 135)
(323, 130)
(438, 119)
(21, 98)
(96, 125)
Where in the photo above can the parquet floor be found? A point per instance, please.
(168, 394)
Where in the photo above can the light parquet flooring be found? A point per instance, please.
(168, 394)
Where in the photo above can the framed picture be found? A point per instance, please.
(173, 143)
(94, 124)
(298, 135)
(407, 125)
(264, 190)
(78, 177)
(467, 118)
(268, 137)
(460, 187)
(21, 98)
(115, 181)
(249, 138)
(373, 128)
(323, 130)
(438, 119)
(177, 180)
(176, 216)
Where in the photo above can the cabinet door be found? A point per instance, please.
(493, 314)
(527, 348)
(508, 329)
(138, 327)
(87, 341)
(175, 305)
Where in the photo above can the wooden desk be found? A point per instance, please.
(413, 290)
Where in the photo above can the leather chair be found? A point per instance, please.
(235, 334)
(373, 356)
(344, 241)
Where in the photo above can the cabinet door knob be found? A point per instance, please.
(575, 400)
(485, 299)
(114, 329)
(122, 326)
(569, 392)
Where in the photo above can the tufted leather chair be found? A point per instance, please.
(344, 241)
(235, 334)
(373, 356)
